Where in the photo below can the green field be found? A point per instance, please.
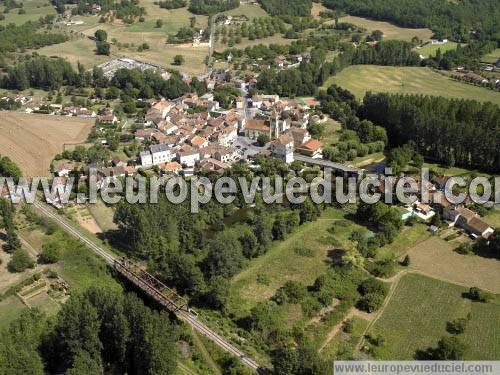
(390, 31)
(492, 57)
(407, 80)
(431, 49)
(282, 263)
(34, 10)
(249, 10)
(416, 317)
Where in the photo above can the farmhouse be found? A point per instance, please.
(464, 218)
(312, 148)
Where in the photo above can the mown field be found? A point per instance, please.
(431, 49)
(416, 317)
(34, 10)
(31, 141)
(390, 31)
(437, 258)
(407, 80)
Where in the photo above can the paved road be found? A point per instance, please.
(189, 318)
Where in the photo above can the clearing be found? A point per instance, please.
(407, 80)
(436, 258)
(431, 49)
(390, 31)
(283, 261)
(492, 57)
(31, 141)
(416, 316)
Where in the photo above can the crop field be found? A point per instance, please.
(303, 256)
(31, 141)
(34, 10)
(407, 80)
(436, 257)
(390, 31)
(416, 318)
(431, 49)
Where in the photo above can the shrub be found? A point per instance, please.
(479, 295)
(371, 302)
(51, 252)
(21, 261)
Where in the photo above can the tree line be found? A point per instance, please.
(300, 8)
(450, 131)
(209, 7)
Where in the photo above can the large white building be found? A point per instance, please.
(157, 154)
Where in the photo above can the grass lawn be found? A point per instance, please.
(431, 49)
(405, 240)
(103, 215)
(407, 80)
(10, 309)
(493, 218)
(416, 317)
(492, 57)
(437, 258)
(363, 161)
(390, 31)
(34, 10)
(282, 262)
(455, 171)
(331, 133)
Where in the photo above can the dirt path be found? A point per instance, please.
(336, 329)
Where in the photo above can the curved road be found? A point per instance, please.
(188, 317)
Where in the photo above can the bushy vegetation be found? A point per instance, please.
(14, 38)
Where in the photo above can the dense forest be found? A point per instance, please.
(212, 6)
(453, 132)
(52, 73)
(446, 18)
(99, 331)
(300, 8)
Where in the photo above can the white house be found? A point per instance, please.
(189, 157)
(160, 154)
(283, 148)
(146, 159)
